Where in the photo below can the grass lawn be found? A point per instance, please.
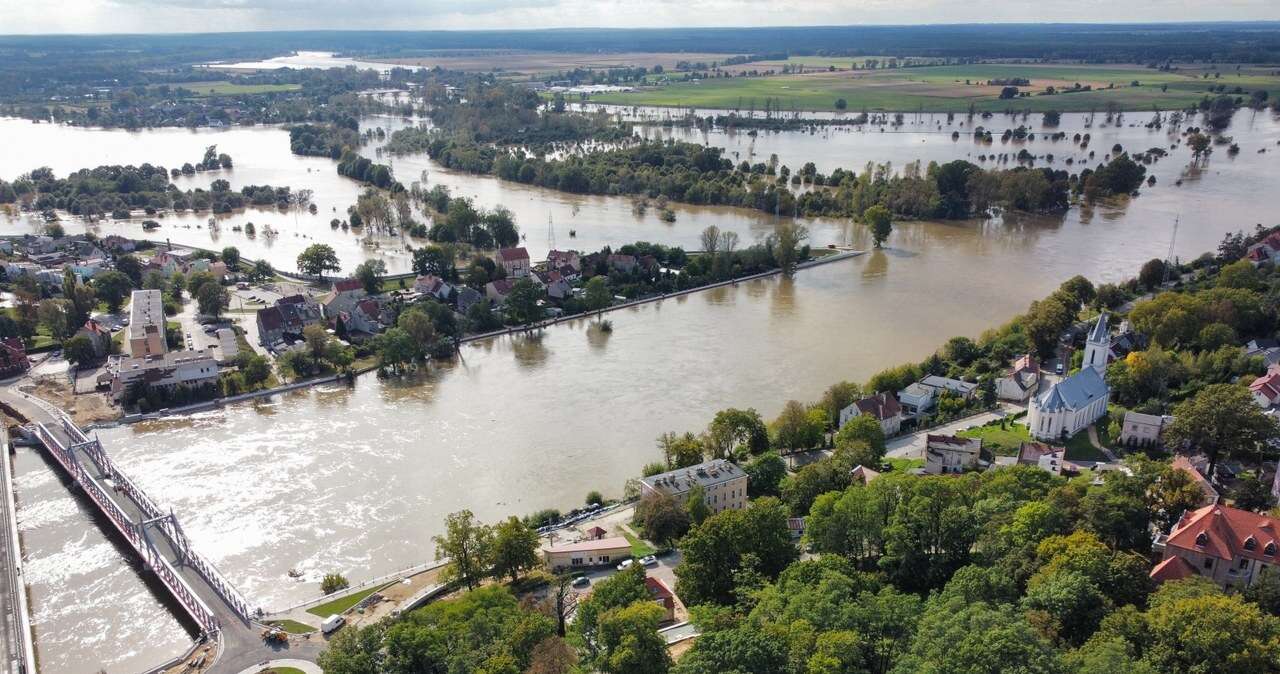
(904, 465)
(292, 626)
(638, 547)
(343, 603)
(284, 670)
(1001, 441)
(225, 88)
(1080, 449)
(952, 89)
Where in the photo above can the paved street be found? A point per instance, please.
(911, 446)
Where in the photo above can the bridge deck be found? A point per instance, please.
(210, 600)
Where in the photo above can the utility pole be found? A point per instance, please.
(1168, 262)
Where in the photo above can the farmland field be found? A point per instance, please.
(224, 88)
(954, 88)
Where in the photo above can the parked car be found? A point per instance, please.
(1057, 369)
(581, 581)
(626, 564)
(648, 560)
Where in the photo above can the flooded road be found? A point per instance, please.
(357, 480)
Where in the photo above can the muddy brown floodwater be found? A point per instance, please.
(358, 480)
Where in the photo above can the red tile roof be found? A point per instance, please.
(513, 254)
(1225, 533)
(1183, 463)
(1030, 452)
(1173, 568)
(347, 285)
(1027, 363)
(95, 327)
(1268, 385)
(657, 588)
(881, 406)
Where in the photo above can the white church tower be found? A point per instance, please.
(1098, 346)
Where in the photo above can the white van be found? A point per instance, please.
(332, 623)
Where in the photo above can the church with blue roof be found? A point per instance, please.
(1076, 402)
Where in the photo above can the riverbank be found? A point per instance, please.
(327, 379)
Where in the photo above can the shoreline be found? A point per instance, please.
(217, 403)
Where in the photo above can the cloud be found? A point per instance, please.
(95, 16)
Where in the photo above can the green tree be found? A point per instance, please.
(786, 243)
(515, 549)
(732, 429)
(468, 545)
(795, 428)
(112, 287)
(131, 267)
(1152, 273)
(597, 295)
(713, 552)
(863, 428)
(78, 351)
(55, 316)
(1218, 420)
(332, 582)
(764, 475)
(231, 257)
(370, 273)
(696, 505)
(317, 259)
(262, 271)
(629, 641)
(958, 636)
(660, 518)
(617, 591)
(211, 299)
(523, 303)
(880, 221)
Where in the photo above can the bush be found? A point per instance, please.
(333, 582)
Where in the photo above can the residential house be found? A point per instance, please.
(1126, 341)
(553, 283)
(882, 407)
(344, 297)
(1266, 389)
(98, 336)
(1046, 457)
(515, 261)
(118, 244)
(1226, 545)
(916, 399)
(366, 318)
(1143, 430)
(146, 324)
(1021, 381)
(948, 454)
(920, 397)
(175, 369)
(466, 297)
(1069, 406)
(588, 553)
(724, 484)
(559, 259)
(1210, 494)
(964, 389)
(622, 263)
(863, 475)
(1267, 349)
(595, 533)
(497, 291)
(13, 357)
(171, 261)
(1266, 250)
(434, 286)
(662, 596)
(287, 318)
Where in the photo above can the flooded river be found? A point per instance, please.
(358, 480)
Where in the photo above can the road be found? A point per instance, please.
(911, 445)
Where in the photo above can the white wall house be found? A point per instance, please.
(1021, 381)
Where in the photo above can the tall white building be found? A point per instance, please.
(1069, 406)
(1098, 346)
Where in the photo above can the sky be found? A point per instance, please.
(168, 16)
